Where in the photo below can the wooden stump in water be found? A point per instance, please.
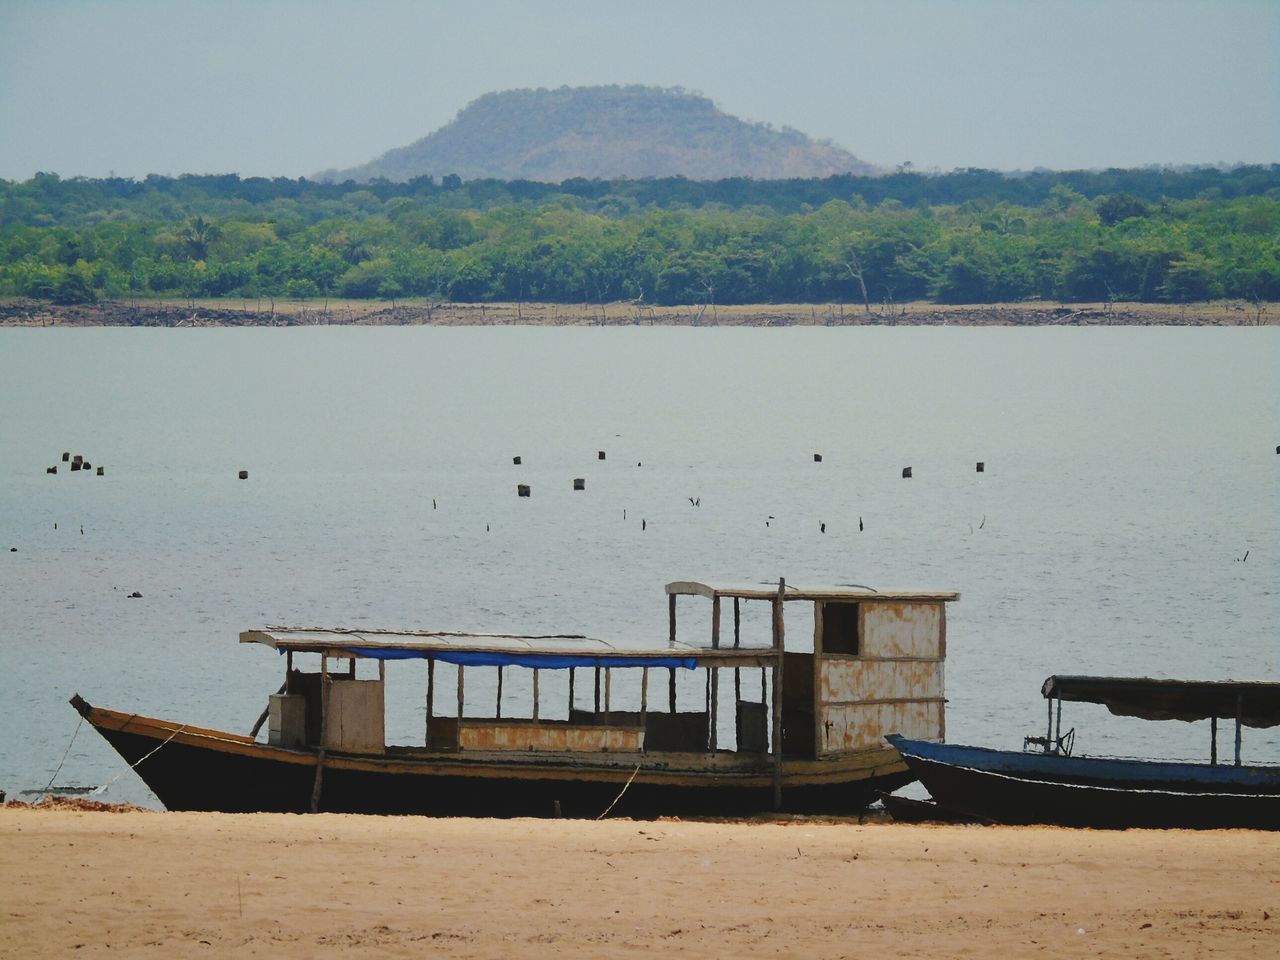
(579, 483)
(516, 461)
(906, 473)
(243, 474)
(981, 466)
(600, 455)
(101, 472)
(522, 490)
(53, 469)
(66, 454)
(817, 458)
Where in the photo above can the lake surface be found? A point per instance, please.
(1128, 473)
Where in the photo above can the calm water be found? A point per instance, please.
(1128, 471)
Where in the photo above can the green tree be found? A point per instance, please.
(197, 235)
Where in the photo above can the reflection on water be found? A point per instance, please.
(1127, 472)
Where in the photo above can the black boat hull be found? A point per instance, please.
(203, 770)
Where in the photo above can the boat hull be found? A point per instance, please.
(191, 768)
(1017, 788)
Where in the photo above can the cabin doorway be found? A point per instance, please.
(797, 705)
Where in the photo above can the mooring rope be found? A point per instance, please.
(65, 754)
(135, 765)
(624, 790)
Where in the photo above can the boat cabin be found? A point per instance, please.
(876, 664)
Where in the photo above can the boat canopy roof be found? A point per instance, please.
(847, 592)
(556, 651)
(1256, 703)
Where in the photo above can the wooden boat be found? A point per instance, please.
(804, 732)
(1049, 785)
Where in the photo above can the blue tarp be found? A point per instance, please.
(541, 661)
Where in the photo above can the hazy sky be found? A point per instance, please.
(286, 87)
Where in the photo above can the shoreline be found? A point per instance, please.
(267, 313)
(152, 884)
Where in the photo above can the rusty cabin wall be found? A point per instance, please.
(893, 684)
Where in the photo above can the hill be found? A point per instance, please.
(605, 133)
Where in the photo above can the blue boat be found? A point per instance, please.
(1045, 784)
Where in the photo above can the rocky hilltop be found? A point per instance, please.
(606, 133)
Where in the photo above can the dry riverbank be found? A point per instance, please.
(236, 313)
(140, 884)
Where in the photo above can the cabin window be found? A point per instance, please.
(840, 628)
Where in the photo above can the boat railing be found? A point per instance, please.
(1059, 746)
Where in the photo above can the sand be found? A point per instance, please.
(169, 884)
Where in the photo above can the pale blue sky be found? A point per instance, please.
(285, 87)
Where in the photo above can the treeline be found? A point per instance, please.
(968, 237)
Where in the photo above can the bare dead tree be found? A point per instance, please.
(711, 295)
(1111, 295)
(854, 266)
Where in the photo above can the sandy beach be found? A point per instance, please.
(170, 884)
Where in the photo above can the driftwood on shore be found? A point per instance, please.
(231, 313)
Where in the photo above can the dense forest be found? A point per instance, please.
(972, 236)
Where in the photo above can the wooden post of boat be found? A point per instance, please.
(262, 717)
(284, 688)
(535, 693)
(737, 641)
(1239, 712)
(1213, 741)
(324, 733)
(461, 700)
(644, 693)
(572, 671)
(1048, 734)
(431, 693)
(498, 712)
(779, 644)
(597, 699)
(713, 673)
(671, 616)
(671, 690)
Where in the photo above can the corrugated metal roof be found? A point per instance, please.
(315, 640)
(767, 591)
